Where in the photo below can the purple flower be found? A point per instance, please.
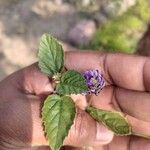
(94, 81)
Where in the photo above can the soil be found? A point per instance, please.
(22, 22)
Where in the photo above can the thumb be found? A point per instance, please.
(87, 132)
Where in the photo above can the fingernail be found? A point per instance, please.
(102, 133)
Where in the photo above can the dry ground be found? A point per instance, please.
(22, 22)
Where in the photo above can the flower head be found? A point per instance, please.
(94, 81)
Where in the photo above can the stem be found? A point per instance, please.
(141, 135)
(57, 77)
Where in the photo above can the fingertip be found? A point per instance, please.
(87, 132)
(103, 135)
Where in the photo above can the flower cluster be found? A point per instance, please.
(94, 81)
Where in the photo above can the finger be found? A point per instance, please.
(127, 71)
(82, 61)
(104, 99)
(133, 103)
(126, 143)
(119, 143)
(139, 126)
(30, 80)
(86, 132)
(139, 143)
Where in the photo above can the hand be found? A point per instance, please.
(22, 95)
(127, 90)
(21, 98)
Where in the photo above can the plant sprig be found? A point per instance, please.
(59, 109)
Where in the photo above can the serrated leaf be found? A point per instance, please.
(51, 55)
(58, 114)
(71, 82)
(115, 121)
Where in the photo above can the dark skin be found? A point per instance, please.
(127, 90)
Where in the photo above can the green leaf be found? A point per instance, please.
(58, 114)
(51, 55)
(115, 121)
(71, 82)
